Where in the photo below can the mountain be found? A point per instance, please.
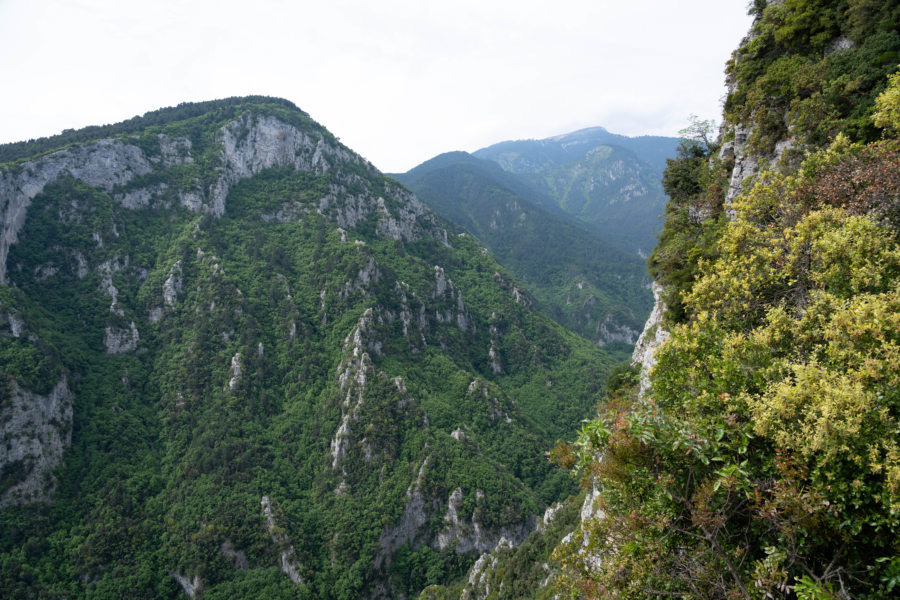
(609, 182)
(238, 361)
(751, 450)
(591, 287)
(529, 156)
(499, 177)
(757, 454)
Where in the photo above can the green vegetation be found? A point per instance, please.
(812, 69)
(191, 114)
(764, 460)
(357, 362)
(608, 182)
(577, 278)
(695, 182)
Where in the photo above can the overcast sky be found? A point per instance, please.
(397, 80)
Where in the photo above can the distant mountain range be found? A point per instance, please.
(609, 182)
(570, 216)
(590, 286)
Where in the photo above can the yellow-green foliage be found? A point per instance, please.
(887, 105)
(765, 460)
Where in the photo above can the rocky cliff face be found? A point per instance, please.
(35, 431)
(232, 307)
(653, 335)
(249, 145)
(746, 163)
(36, 428)
(104, 164)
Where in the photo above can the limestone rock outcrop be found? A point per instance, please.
(35, 430)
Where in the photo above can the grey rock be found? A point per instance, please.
(140, 198)
(172, 284)
(16, 325)
(36, 430)
(409, 528)
(288, 561)
(609, 331)
(191, 587)
(104, 164)
(237, 557)
(82, 265)
(745, 165)
(651, 339)
(119, 341)
(467, 535)
(839, 44)
(251, 144)
(175, 151)
(236, 372)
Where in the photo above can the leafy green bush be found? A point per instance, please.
(764, 459)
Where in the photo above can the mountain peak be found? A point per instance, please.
(580, 133)
(229, 341)
(160, 117)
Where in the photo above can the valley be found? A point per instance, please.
(239, 361)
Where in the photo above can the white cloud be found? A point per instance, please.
(397, 80)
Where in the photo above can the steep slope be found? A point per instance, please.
(528, 156)
(240, 362)
(760, 457)
(584, 283)
(499, 177)
(610, 182)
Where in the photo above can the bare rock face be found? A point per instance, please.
(103, 164)
(411, 522)
(237, 557)
(253, 143)
(191, 586)
(839, 44)
(236, 372)
(16, 324)
(478, 584)
(172, 285)
(249, 144)
(466, 535)
(35, 430)
(288, 561)
(745, 164)
(175, 151)
(651, 338)
(119, 341)
(609, 330)
(487, 577)
(353, 375)
(401, 224)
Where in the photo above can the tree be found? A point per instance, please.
(887, 105)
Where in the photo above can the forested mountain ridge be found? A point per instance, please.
(240, 362)
(609, 182)
(763, 459)
(526, 156)
(584, 283)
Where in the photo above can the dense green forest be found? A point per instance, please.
(236, 361)
(240, 362)
(763, 461)
(608, 182)
(583, 282)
